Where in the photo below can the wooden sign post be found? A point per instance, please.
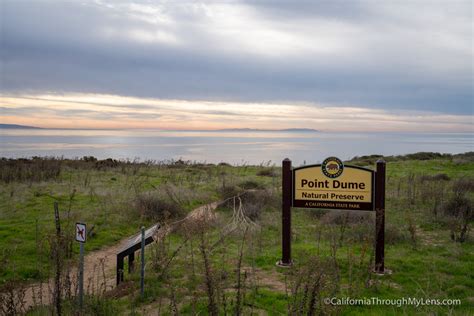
(287, 178)
(333, 185)
(380, 217)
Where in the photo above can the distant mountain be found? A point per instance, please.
(15, 126)
(267, 130)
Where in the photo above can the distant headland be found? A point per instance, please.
(294, 130)
(16, 126)
(267, 130)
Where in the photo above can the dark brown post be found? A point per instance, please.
(119, 269)
(131, 259)
(380, 217)
(286, 213)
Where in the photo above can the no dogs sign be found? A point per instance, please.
(81, 232)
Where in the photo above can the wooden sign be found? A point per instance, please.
(331, 185)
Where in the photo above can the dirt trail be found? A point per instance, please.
(95, 263)
(100, 265)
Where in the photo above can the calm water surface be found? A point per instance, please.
(232, 147)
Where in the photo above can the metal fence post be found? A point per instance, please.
(81, 276)
(142, 272)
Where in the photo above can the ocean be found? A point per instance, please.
(234, 147)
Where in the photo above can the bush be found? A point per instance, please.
(176, 164)
(436, 177)
(228, 191)
(425, 156)
(345, 217)
(250, 185)
(107, 163)
(365, 160)
(266, 172)
(371, 159)
(311, 281)
(463, 186)
(348, 225)
(35, 169)
(155, 207)
(459, 209)
(89, 159)
(464, 158)
(395, 234)
(254, 202)
(359, 232)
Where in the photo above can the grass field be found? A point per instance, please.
(225, 264)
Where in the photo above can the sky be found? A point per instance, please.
(328, 65)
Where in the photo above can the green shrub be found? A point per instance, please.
(458, 209)
(266, 172)
(153, 206)
(250, 185)
(345, 217)
(32, 170)
(436, 177)
(228, 191)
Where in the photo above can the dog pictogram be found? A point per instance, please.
(80, 232)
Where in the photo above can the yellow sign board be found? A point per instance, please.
(332, 185)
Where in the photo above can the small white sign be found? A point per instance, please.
(81, 232)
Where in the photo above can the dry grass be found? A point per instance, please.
(459, 209)
(309, 283)
(12, 299)
(29, 170)
(267, 172)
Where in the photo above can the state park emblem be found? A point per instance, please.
(332, 167)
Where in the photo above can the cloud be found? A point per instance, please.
(405, 55)
(111, 111)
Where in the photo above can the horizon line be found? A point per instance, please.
(243, 129)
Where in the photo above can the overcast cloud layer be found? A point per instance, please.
(381, 55)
